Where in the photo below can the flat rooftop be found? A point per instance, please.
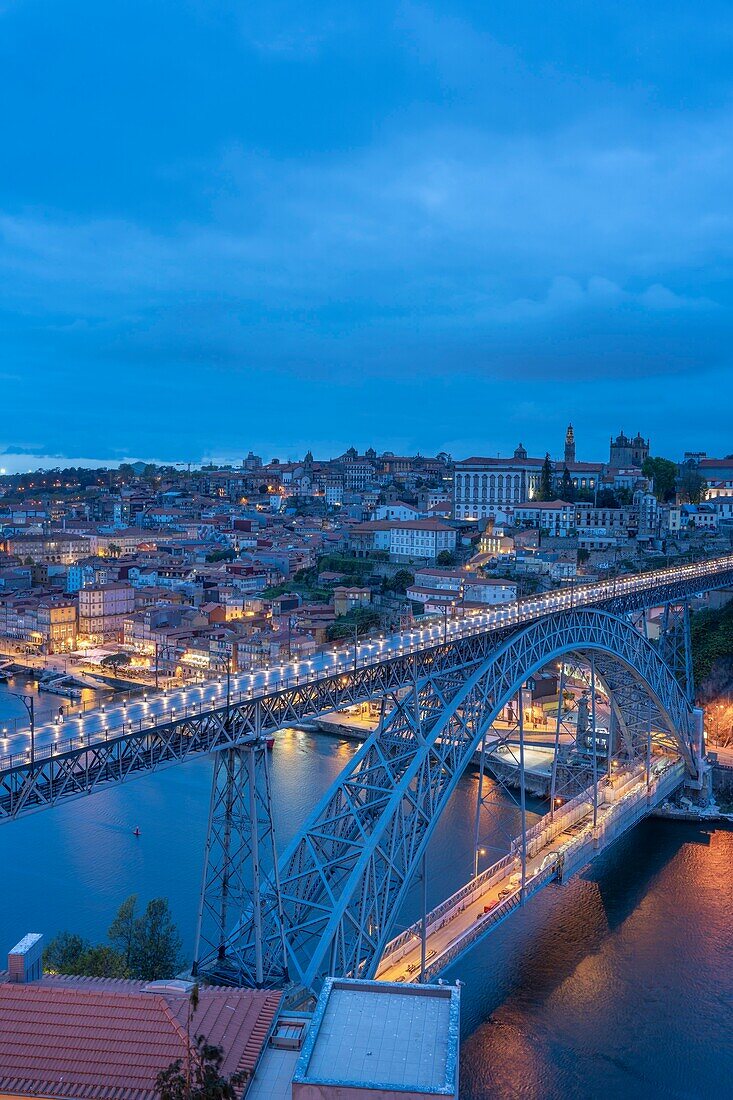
(369, 1034)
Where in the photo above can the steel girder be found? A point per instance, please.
(675, 644)
(240, 838)
(84, 767)
(343, 879)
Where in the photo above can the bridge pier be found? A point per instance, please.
(675, 644)
(240, 835)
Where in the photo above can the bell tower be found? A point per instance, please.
(569, 445)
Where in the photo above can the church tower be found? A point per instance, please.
(569, 445)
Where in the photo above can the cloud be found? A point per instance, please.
(461, 210)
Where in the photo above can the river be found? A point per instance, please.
(617, 984)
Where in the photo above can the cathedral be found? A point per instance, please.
(627, 452)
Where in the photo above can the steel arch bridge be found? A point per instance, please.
(331, 905)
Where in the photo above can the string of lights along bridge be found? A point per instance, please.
(329, 903)
(165, 707)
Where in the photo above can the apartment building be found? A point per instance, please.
(556, 517)
(404, 540)
(57, 623)
(102, 610)
(62, 547)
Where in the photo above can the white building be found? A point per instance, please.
(556, 517)
(404, 540)
(396, 510)
(479, 483)
(461, 586)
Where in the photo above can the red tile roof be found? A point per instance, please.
(72, 1038)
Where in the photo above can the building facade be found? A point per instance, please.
(625, 451)
(479, 483)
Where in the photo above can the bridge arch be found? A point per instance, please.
(344, 877)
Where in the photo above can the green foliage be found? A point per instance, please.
(544, 490)
(102, 961)
(156, 945)
(221, 555)
(68, 953)
(121, 932)
(445, 558)
(199, 1077)
(583, 554)
(567, 489)
(63, 952)
(146, 947)
(712, 640)
(306, 576)
(275, 590)
(663, 473)
(606, 499)
(691, 483)
(401, 581)
(337, 563)
(115, 660)
(363, 619)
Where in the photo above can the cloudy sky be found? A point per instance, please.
(277, 225)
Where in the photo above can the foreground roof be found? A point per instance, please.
(108, 1040)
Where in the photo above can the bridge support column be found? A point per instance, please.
(675, 645)
(234, 886)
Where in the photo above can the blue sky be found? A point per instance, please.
(282, 225)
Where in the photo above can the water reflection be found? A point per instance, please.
(616, 985)
(624, 984)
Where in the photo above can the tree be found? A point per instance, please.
(115, 660)
(102, 961)
(691, 483)
(63, 953)
(544, 490)
(114, 550)
(156, 944)
(402, 580)
(567, 489)
(361, 619)
(199, 1077)
(122, 930)
(445, 558)
(68, 953)
(607, 499)
(663, 474)
(221, 555)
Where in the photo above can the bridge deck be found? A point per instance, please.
(556, 849)
(114, 743)
(117, 719)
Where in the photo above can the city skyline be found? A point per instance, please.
(20, 462)
(409, 226)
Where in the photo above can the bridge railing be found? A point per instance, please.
(484, 922)
(443, 913)
(618, 819)
(527, 609)
(538, 837)
(567, 815)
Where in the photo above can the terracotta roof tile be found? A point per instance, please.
(105, 1040)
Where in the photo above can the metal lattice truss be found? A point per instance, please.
(675, 644)
(343, 879)
(79, 766)
(240, 837)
